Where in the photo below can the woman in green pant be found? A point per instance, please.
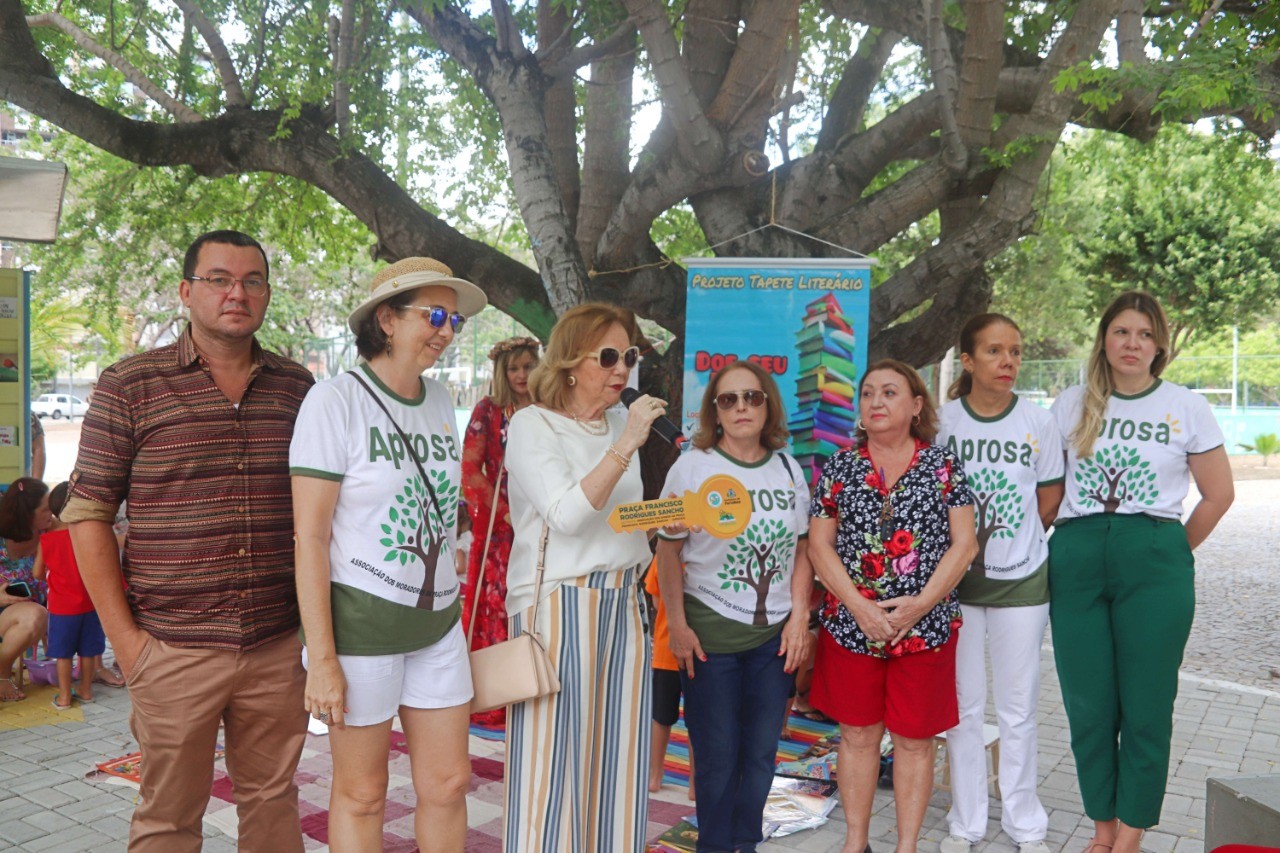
(1121, 574)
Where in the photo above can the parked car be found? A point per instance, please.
(56, 405)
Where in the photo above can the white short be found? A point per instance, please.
(438, 676)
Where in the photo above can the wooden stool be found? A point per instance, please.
(990, 740)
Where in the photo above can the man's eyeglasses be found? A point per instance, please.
(608, 356)
(437, 315)
(729, 399)
(253, 285)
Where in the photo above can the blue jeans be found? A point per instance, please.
(734, 707)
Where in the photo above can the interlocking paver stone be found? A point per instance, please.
(1227, 722)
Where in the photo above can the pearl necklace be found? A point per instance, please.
(596, 427)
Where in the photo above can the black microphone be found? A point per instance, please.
(662, 426)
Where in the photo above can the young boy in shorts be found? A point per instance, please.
(74, 628)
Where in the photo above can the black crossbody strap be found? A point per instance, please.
(408, 446)
(786, 464)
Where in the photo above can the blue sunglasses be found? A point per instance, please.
(437, 315)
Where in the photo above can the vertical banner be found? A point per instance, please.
(15, 373)
(804, 320)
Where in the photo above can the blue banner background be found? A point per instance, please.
(794, 318)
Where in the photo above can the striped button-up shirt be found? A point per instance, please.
(209, 553)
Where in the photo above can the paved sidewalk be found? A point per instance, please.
(1220, 729)
(1227, 722)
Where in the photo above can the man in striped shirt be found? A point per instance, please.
(196, 436)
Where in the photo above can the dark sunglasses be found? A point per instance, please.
(436, 316)
(729, 399)
(608, 356)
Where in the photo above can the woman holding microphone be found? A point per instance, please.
(577, 760)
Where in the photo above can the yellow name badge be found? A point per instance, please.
(720, 507)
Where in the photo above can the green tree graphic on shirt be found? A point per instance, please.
(1116, 475)
(756, 560)
(999, 511)
(416, 531)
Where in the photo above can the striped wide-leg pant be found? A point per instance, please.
(577, 761)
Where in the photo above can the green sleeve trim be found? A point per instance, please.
(1054, 482)
(1208, 450)
(316, 474)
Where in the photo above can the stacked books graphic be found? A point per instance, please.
(824, 419)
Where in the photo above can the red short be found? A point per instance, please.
(914, 695)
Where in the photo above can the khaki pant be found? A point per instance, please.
(180, 696)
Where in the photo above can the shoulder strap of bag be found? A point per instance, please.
(488, 537)
(785, 464)
(542, 562)
(408, 445)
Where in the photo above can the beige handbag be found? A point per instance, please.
(518, 669)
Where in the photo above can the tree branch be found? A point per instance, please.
(902, 17)
(858, 80)
(458, 35)
(698, 140)
(954, 155)
(509, 39)
(606, 147)
(218, 50)
(167, 102)
(620, 41)
(342, 68)
(559, 110)
(756, 63)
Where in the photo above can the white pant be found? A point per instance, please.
(1013, 636)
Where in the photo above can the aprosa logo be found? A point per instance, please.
(714, 500)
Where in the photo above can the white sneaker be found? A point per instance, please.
(1033, 847)
(956, 844)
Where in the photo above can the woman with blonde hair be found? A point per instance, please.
(891, 535)
(484, 485)
(1121, 571)
(577, 759)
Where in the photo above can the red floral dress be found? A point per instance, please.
(482, 452)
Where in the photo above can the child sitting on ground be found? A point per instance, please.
(74, 628)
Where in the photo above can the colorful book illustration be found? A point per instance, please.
(826, 412)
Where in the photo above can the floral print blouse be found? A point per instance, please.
(891, 551)
(19, 569)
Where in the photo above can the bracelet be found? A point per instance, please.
(623, 462)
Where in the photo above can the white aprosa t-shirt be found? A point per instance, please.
(391, 554)
(745, 578)
(1006, 458)
(1139, 460)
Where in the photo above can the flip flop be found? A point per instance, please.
(81, 699)
(16, 696)
(57, 707)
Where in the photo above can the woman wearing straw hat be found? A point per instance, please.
(375, 461)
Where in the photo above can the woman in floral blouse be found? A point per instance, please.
(892, 534)
(484, 483)
(24, 515)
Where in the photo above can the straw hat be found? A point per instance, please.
(410, 274)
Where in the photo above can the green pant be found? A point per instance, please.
(1122, 596)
